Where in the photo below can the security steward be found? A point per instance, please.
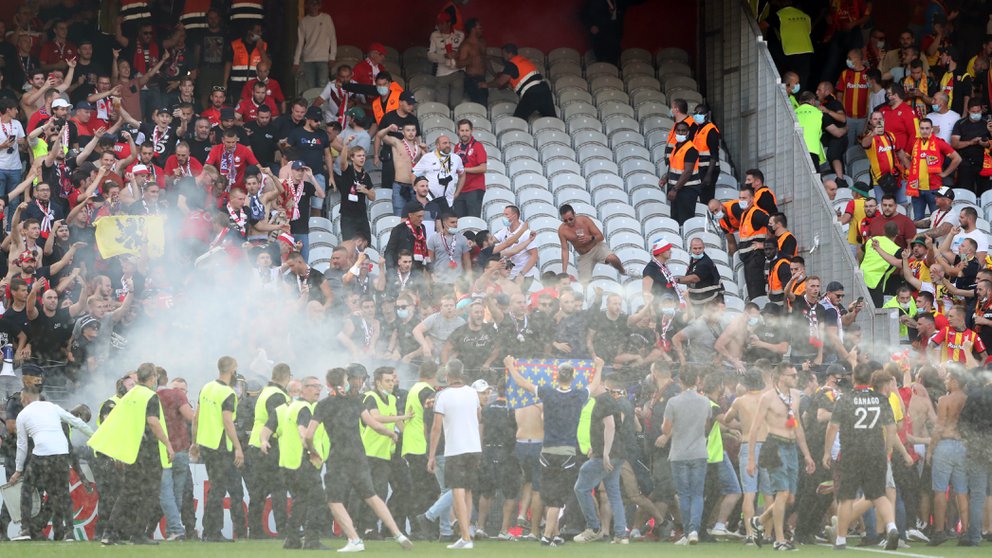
(134, 434)
(521, 75)
(763, 195)
(105, 473)
(679, 109)
(701, 276)
(682, 178)
(414, 441)
(753, 232)
(381, 406)
(385, 94)
(264, 479)
(246, 52)
(707, 143)
(796, 287)
(722, 216)
(778, 226)
(777, 271)
(390, 105)
(297, 466)
(216, 444)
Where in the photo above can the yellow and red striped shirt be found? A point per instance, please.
(951, 342)
(853, 90)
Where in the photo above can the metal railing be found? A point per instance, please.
(760, 130)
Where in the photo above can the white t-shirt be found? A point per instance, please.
(10, 158)
(945, 122)
(437, 169)
(519, 260)
(460, 408)
(978, 236)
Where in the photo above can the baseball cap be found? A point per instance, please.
(297, 165)
(85, 105)
(481, 386)
(412, 207)
(919, 240)
(377, 47)
(27, 255)
(834, 286)
(945, 192)
(227, 113)
(358, 113)
(313, 113)
(165, 110)
(860, 188)
(60, 103)
(139, 169)
(408, 97)
(660, 245)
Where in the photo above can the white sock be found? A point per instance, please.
(841, 540)
(890, 526)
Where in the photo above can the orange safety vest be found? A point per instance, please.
(699, 141)
(748, 232)
(392, 102)
(798, 290)
(775, 285)
(676, 165)
(761, 193)
(692, 129)
(729, 223)
(924, 153)
(525, 71)
(781, 241)
(244, 62)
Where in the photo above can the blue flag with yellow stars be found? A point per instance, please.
(544, 372)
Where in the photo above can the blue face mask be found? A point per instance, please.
(403, 314)
(696, 256)
(753, 321)
(699, 119)
(795, 89)
(506, 221)
(936, 107)
(382, 89)
(975, 116)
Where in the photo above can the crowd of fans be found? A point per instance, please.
(184, 121)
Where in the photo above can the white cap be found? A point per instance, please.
(481, 386)
(61, 103)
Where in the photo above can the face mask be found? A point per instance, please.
(753, 321)
(795, 89)
(742, 204)
(506, 221)
(679, 138)
(403, 314)
(718, 215)
(382, 89)
(904, 305)
(699, 118)
(850, 64)
(880, 45)
(936, 107)
(696, 256)
(974, 116)
(452, 230)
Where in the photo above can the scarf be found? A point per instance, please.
(255, 207)
(341, 98)
(790, 421)
(419, 241)
(814, 326)
(63, 175)
(48, 216)
(145, 58)
(238, 219)
(227, 166)
(670, 281)
(413, 153)
(925, 160)
(293, 194)
(825, 302)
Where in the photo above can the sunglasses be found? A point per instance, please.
(218, 88)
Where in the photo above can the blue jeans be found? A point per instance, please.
(590, 475)
(402, 193)
(948, 467)
(921, 202)
(690, 482)
(171, 493)
(441, 510)
(9, 179)
(314, 74)
(304, 239)
(900, 194)
(978, 485)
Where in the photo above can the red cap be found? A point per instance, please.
(27, 255)
(377, 47)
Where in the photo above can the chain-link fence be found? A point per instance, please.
(760, 130)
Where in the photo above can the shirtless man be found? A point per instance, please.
(743, 410)
(260, 209)
(472, 58)
(406, 153)
(778, 411)
(947, 457)
(530, 440)
(589, 243)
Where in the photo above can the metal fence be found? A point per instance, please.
(761, 131)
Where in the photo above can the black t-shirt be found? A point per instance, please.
(392, 117)
(968, 130)
(149, 443)
(499, 426)
(833, 105)
(340, 416)
(660, 284)
(627, 429)
(309, 147)
(165, 142)
(605, 407)
(353, 203)
(49, 335)
(405, 342)
(805, 319)
(200, 150)
(314, 279)
(284, 126)
(302, 224)
(608, 335)
(262, 140)
(473, 347)
(862, 417)
(767, 333)
(816, 431)
(969, 275)
(520, 338)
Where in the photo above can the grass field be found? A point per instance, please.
(486, 549)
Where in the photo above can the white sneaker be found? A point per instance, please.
(917, 536)
(461, 544)
(693, 537)
(635, 533)
(724, 533)
(684, 541)
(404, 542)
(588, 536)
(504, 536)
(353, 546)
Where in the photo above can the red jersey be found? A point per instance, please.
(37, 119)
(249, 110)
(191, 168)
(232, 165)
(365, 72)
(901, 122)
(852, 88)
(951, 343)
(273, 91)
(54, 52)
(473, 154)
(213, 115)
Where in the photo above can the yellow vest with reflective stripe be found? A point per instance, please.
(120, 435)
(794, 30)
(811, 120)
(377, 445)
(584, 434)
(714, 442)
(262, 414)
(288, 433)
(414, 434)
(116, 399)
(210, 424)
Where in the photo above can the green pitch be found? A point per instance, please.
(483, 549)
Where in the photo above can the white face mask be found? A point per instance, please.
(679, 138)
(743, 204)
(975, 116)
(452, 230)
(880, 45)
(718, 215)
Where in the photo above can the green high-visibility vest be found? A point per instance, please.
(714, 442)
(115, 399)
(377, 445)
(874, 268)
(414, 435)
(119, 437)
(811, 120)
(584, 432)
(262, 413)
(210, 425)
(288, 434)
(794, 30)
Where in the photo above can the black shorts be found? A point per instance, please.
(558, 476)
(345, 475)
(462, 471)
(499, 472)
(866, 474)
